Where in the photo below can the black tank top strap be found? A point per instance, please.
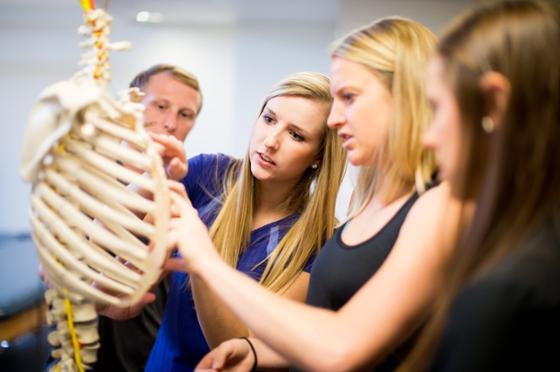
(390, 230)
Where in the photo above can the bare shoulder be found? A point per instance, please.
(438, 196)
(428, 218)
(431, 204)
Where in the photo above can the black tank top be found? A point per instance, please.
(340, 270)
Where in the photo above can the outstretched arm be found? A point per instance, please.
(217, 321)
(387, 308)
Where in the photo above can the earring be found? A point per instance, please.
(488, 124)
(314, 166)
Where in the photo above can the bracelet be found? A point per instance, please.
(254, 367)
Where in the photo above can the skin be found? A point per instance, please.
(443, 136)
(362, 331)
(171, 106)
(170, 114)
(286, 139)
(357, 91)
(284, 144)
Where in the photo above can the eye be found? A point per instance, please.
(161, 106)
(267, 118)
(187, 115)
(348, 97)
(296, 136)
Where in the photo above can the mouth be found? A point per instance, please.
(344, 137)
(265, 158)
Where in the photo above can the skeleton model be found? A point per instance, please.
(87, 155)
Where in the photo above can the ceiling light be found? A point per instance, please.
(144, 16)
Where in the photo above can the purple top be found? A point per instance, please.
(180, 343)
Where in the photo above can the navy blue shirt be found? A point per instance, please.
(180, 343)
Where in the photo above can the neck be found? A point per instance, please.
(384, 196)
(270, 201)
(378, 202)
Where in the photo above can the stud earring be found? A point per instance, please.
(488, 124)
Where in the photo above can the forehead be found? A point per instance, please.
(165, 85)
(348, 73)
(307, 114)
(435, 75)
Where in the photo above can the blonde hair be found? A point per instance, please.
(397, 51)
(178, 73)
(314, 197)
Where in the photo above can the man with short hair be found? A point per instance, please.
(172, 100)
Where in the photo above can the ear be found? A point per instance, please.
(315, 164)
(496, 89)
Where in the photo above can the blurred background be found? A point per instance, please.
(237, 48)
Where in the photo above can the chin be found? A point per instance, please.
(255, 171)
(260, 174)
(355, 159)
(354, 162)
(264, 178)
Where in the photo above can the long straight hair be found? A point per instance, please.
(512, 173)
(396, 50)
(314, 196)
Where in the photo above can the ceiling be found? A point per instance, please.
(191, 11)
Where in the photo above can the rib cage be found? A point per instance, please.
(85, 206)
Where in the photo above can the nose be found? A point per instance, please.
(272, 141)
(169, 123)
(336, 117)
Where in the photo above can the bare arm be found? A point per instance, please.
(384, 311)
(219, 323)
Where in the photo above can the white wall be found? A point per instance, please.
(434, 14)
(238, 52)
(267, 54)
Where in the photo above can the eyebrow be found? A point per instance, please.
(346, 87)
(190, 110)
(292, 125)
(165, 100)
